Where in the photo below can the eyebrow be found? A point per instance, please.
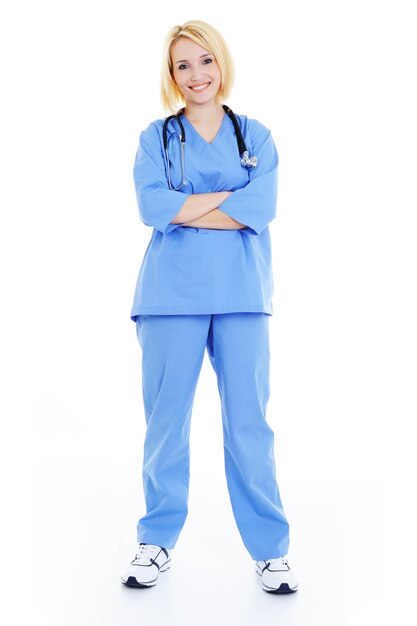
(185, 60)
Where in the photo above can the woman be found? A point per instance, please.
(206, 283)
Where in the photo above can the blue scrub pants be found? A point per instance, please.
(173, 348)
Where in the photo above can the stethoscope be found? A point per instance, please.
(246, 160)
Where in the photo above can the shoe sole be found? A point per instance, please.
(133, 582)
(283, 588)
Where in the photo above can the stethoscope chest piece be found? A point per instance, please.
(247, 161)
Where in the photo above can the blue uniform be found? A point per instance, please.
(199, 270)
(198, 290)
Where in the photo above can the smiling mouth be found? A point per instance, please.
(200, 87)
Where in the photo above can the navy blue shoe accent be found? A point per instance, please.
(283, 588)
(132, 582)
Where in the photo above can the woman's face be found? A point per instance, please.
(192, 66)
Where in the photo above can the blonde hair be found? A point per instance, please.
(207, 37)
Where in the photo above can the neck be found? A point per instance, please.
(205, 112)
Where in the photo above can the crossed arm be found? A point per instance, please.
(200, 211)
(215, 219)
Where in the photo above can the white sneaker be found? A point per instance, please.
(277, 576)
(144, 570)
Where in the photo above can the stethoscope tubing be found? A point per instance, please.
(246, 161)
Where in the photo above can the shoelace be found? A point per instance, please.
(280, 560)
(145, 552)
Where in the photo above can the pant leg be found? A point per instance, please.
(238, 348)
(173, 349)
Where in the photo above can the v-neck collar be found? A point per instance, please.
(198, 134)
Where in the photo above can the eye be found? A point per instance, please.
(185, 65)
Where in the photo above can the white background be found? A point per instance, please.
(335, 83)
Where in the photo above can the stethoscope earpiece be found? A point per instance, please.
(245, 160)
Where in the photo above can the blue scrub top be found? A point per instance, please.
(201, 270)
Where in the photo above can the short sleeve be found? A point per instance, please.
(255, 204)
(157, 204)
